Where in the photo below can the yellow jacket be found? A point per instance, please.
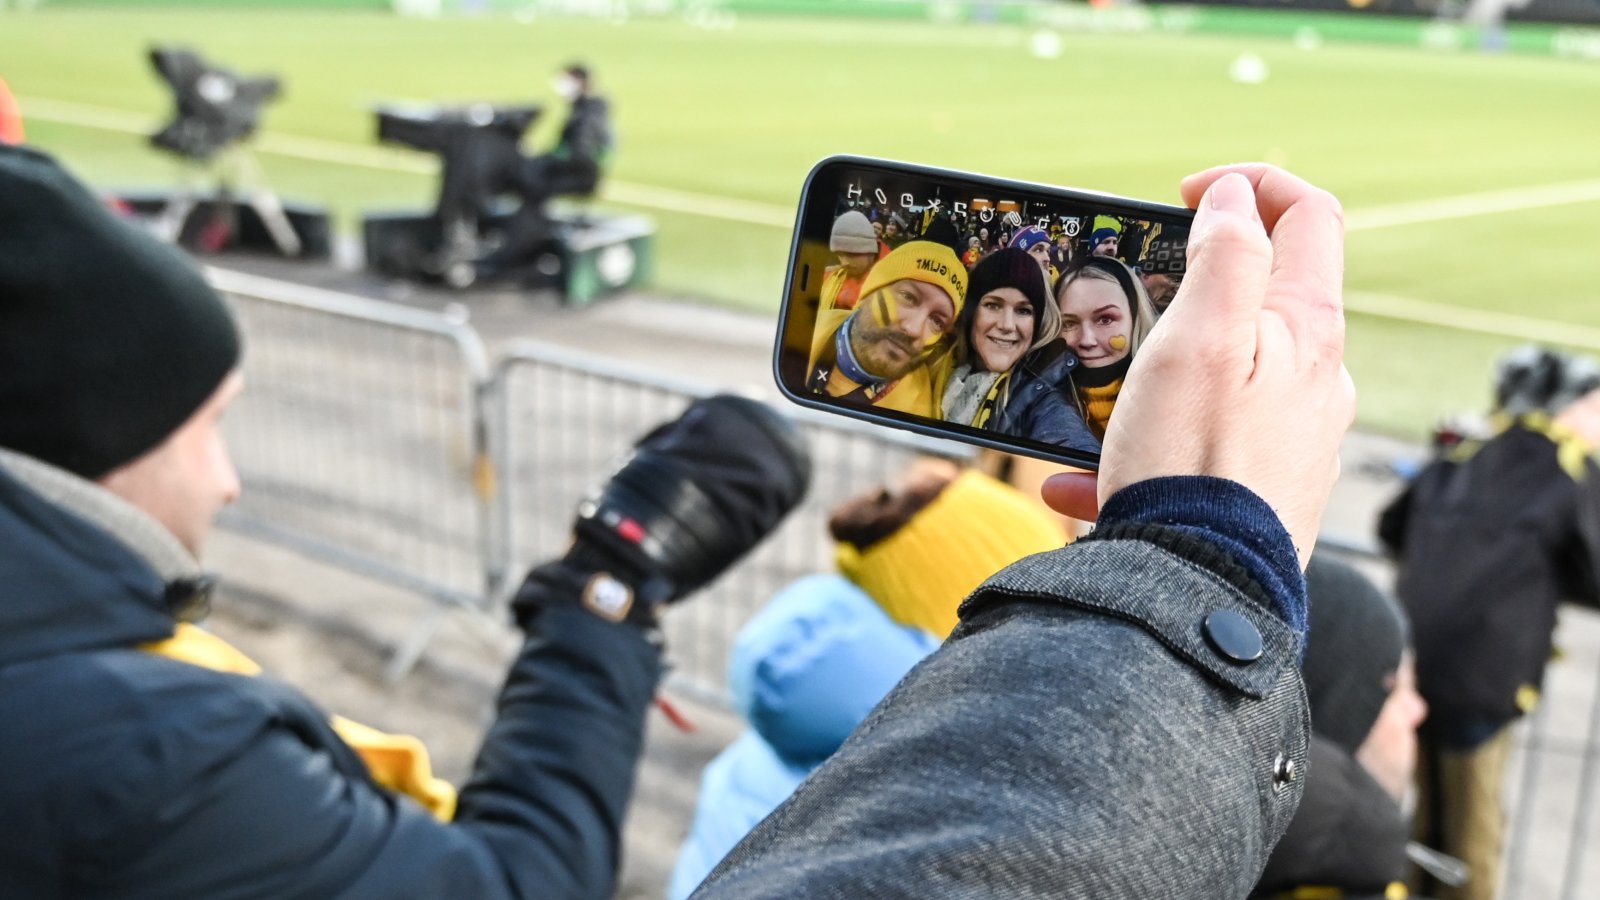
(916, 393)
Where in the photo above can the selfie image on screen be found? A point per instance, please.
(1009, 314)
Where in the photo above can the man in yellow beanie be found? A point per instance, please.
(886, 352)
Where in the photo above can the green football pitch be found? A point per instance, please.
(1472, 181)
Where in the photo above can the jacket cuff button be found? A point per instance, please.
(1233, 636)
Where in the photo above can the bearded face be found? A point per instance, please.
(893, 330)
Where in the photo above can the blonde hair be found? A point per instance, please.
(1104, 268)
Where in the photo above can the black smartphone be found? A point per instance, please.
(996, 312)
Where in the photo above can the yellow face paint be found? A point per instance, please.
(1118, 342)
(885, 314)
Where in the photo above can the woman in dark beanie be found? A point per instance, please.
(1350, 833)
(1007, 320)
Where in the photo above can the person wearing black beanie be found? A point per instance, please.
(1008, 314)
(1359, 638)
(109, 340)
(157, 760)
(1012, 374)
(1350, 832)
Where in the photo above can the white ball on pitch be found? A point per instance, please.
(1248, 68)
(1045, 44)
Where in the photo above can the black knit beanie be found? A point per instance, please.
(1010, 268)
(1358, 634)
(109, 339)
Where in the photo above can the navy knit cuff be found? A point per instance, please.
(1227, 515)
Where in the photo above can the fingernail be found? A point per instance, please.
(1232, 193)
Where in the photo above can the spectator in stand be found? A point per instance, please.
(1061, 253)
(892, 349)
(1105, 316)
(810, 666)
(1489, 538)
(1006, 354)
(1162, 267)
(1348, 838)
(1103, 242)
(856, 246)
(1160, 283)
(973, 254)
(894, 233)
(1035, 241)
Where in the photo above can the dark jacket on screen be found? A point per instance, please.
(1488, 540)
(1076, 737)
(1042, 406)
(1349, 834)
(132, 775)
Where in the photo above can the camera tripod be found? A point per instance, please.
(234, 173)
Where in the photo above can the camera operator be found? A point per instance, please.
(1123, 717)
(146, 758)
(572, 167)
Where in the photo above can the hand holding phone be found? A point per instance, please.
(1245, 379)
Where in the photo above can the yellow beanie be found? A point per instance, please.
(973, 529)
(923, 261)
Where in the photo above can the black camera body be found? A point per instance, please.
(215, 107)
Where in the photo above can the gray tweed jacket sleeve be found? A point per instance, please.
(1082, 734)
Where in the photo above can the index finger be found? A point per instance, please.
(1276, 190)
(1306, 224)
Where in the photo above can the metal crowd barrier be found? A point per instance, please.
(378, 439)
(360, 439)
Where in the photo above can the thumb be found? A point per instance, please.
(1072, 494)
(1230, 261)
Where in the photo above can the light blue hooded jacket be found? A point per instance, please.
(804, 673)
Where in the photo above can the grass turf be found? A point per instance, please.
(743, 113)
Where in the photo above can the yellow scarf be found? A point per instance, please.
(399, 762)
(1097, 405)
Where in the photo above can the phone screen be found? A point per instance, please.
(996, 312)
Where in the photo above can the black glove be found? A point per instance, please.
(694, 496)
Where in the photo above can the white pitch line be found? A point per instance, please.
(747, 212)
(1478, 321)
(756, 213)
(1467, 206)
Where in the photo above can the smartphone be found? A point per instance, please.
(996, 312)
